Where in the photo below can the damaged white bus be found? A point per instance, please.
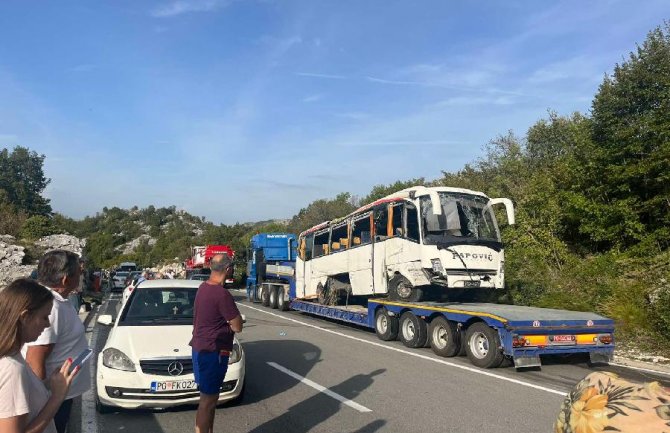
(412, 243)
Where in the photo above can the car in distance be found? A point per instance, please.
(140, 368)
(119, 281)
(199, 277)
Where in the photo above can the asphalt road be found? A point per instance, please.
(306, 374)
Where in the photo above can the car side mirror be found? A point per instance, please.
(106, 319)
(244, 318)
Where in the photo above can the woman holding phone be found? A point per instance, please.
(26, 406)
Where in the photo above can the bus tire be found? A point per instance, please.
(483, 346)
(265, 296)
(282, 305)
(400, 289)
(443, 337)
(412, 330)
(386, 326)
(273, 297)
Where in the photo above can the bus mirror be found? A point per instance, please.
(509, 207)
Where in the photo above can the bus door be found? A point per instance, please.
(361, 255)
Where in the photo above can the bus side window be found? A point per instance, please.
(396, 222)
(381, 222)
(321, 243)
(339, 238)
(412, 223)
(309, 246)
(360, 231)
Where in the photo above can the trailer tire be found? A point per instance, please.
(483, 346)
(400, 289)
(265, 296)
(444, 338)
(273, 297)
(386, 326)
(282, 305)
(413, 331)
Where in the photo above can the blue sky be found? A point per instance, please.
(246, 110)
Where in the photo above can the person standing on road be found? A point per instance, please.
(216, 319)
(59, 271)
(26, 406)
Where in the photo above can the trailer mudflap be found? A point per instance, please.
(527, 361)
(601, 357)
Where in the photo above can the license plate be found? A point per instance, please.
(562, 339)
(173, 385)
(472, 283)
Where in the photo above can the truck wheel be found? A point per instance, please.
(443, 337)
(282, 305)
(265, 296)
(400, 289)
(273, 297)
(483, 346)
(386, 326)
(413, 332)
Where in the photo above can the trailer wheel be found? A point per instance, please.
(386, 326)
(443, 337)
(483, 346)
(413, 332)
(265, 296)
(282, 305)
(273, 297)
(400, 289)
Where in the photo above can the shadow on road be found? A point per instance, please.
(307, 414)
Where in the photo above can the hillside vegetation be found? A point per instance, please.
(591, 191)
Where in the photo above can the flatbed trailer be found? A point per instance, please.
(486, 333)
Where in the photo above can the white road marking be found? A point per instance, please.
(89, 416)
(323, 389)
(416, 355)
(647, 370)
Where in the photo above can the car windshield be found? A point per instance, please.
(160, 305)
(465, 218)
(200, 277)
(121, 274)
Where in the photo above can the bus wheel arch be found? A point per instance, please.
(401, 289)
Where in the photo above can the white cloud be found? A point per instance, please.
(326, 76)
(180, 7)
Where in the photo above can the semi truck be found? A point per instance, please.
(200, 259)
(271, 258)
(403, 266)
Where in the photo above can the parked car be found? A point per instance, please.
(119, 281)
(199, 277)
(131, 277)
(140, 368)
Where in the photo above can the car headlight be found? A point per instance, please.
(235, 354)
(437, 266)
(114, 358)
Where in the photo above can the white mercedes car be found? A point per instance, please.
(146, 362)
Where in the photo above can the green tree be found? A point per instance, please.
(629, 184)
(322, 210)
(22, 178)
(37, 226)
(11, 219)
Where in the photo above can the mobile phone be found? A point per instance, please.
(80, 359)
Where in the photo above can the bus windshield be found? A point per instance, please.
(465, 219)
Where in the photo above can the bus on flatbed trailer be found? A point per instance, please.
(486, 333)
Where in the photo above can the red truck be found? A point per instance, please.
(201, 257)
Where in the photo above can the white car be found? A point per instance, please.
(146, 362)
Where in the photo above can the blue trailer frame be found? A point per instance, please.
(524, 333)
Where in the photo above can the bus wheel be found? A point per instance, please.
(443, 337)
(413, 331)
(273, 297)
(282, 305)
(483, 346)
(400, 289)
(386, 326)
(265, 296)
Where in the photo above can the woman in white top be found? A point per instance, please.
(26, 406)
